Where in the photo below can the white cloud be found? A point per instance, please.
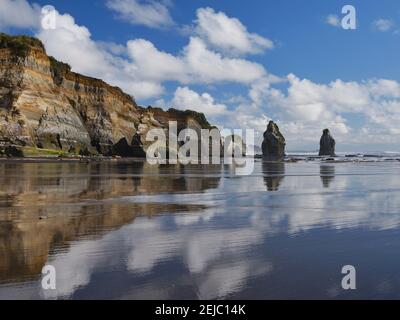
(196, 64)
(152, 64)
(333, 20)
(140, 68)
(306, 107)
(184, 99)
(72, 43)
(228, 34)
(383, 24)
(18, 14)
(150, 13)
(209, 66)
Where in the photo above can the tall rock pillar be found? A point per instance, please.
(273, 146)
(327, 144)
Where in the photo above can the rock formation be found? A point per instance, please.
(273, 146)
(45, 108)
(235, 145)
(327, 144)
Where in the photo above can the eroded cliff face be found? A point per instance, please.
(46, 106)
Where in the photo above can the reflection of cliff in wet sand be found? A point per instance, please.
(54, 204)
(274, 173)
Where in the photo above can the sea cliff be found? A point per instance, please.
(46, 109)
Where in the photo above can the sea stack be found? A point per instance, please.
(273, 146)
(327, 144)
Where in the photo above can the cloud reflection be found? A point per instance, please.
(213, 242)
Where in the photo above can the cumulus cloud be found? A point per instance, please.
(153, 64)
(383, 25)
(18, 14)
(228, 34)
(73, 44)
(306, 107)
(150, 13)
(139, 67)
(196, 64)
(184, 99)
(210, 66)
(333, 20)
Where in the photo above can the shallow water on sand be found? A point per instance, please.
(132, 231)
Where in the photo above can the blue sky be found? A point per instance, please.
(347, 80)
(305, 45)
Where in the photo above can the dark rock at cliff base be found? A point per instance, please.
(11, 151)
(327, 144)
(273, 146)
(133, 150)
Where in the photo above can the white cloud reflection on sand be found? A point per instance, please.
(216, 244)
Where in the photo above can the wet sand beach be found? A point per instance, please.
(128, 230)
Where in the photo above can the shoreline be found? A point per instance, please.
(66, 159)
(293, 158)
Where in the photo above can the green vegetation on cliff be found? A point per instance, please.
(199, 117)
(20, 45)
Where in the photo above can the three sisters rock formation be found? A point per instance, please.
(273, 146)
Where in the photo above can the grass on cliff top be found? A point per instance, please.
(19, 44)
(198, 116)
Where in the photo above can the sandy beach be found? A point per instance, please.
(130, 230)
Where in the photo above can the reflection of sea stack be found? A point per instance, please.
(273, 146)
(327, 144)
(327, 174)
(274, 173)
